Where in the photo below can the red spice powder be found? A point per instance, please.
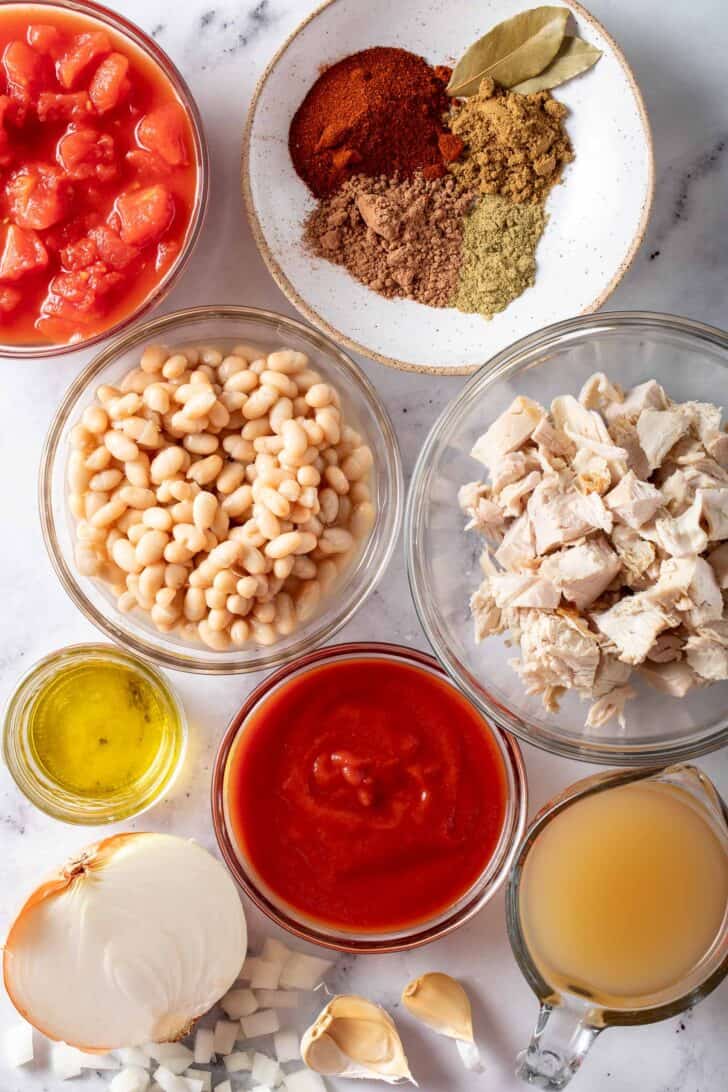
(377, 112)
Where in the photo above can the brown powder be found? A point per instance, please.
(400, 237)
(515, 145)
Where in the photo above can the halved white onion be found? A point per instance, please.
(128, 943)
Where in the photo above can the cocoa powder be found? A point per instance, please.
(400, 237)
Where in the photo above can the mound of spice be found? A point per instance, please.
(515, 145)
(400, 237)
(377, 112)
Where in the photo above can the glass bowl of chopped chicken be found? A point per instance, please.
(567, 538)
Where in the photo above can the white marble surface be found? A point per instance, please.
(678, 53)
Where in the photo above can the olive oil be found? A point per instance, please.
(94, 735)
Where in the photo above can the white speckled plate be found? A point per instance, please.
(597, 217)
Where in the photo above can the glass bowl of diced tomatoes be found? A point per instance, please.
(103, 175)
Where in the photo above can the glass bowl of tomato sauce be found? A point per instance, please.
(363, 803)
(103, 175)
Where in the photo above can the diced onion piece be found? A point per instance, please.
(238, 1062)
(277, 999)
(224, 1087)
(304, 1080)
(204, 1046)
(131, 1079)
(265, 1070)
(303, 972)
(470, 1055)
(162, 1052)
(98, 1061)
(134, 916)
(287, 1045)
(18, 1044)
(264, 1022)
(65, 1061)
(262, 1088)
(133, 1056)
(275, 952)
(264, 976)
(193, 1085)
(200, 1075)
(237, 1003)
(172, 1082)
(226, 1032)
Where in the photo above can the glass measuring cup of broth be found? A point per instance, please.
(617, 909)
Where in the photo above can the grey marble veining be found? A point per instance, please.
(678, 54)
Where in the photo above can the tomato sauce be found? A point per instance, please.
(97, 176)
(367, 794)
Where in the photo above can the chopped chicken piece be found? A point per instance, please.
(608, 706)
(592, 472)
(610, 673)
(511, 498)
(635, 554)
(679, 536)
(680, 485)
(674, 678)
(582, 572)
(658, 431)
(718, 561)
(649, 395)
(634, 502)
(517, 548)
(715, 511)
(599, 392)
(552, 440)
(624, 433)
(485, 514)
(704, 418)
(667, 647)
(556, 652)
(687, 452)
(509, 432)
(559, 513)
(706, 651)
(717, 446)
(587, 430)
(632, 625)
(486, 615)
(688, 585)
(511, 468)
(524, 590)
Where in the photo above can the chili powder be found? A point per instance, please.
(376, 112)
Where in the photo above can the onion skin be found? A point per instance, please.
(95, 858)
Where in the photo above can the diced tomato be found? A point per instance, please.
(163, 131)
(85, 289)
(6, 151)
(38, 196)
(23, 253)
(23, 70)
(144, 215)
(44, 39)
(76, 61)
(52, 106)
(85, 153)
(110, 84)
(9, 299)
(100, 245)
(147, 166)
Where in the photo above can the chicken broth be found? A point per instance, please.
(623, 893)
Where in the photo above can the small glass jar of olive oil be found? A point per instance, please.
(93, 735)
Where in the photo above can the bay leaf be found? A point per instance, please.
(513, 51)
(574, 57)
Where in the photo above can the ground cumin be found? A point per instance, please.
(377, 112)
(498, 254)
(515, 145)
(400, 237)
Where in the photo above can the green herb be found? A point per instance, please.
(513, 51)
(574, 57)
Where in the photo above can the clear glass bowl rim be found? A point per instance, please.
(223, 662)
(24, 779)
(422, 933)
(517, 357)
(148, 46)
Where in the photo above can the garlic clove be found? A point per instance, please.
(440, 1002)
(353, 1037)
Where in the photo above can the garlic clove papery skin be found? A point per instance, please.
(441, 1003)
(128, 943)
(353, 1037)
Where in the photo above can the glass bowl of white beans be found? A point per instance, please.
(220, 490)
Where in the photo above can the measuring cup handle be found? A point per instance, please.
(557, 1048)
